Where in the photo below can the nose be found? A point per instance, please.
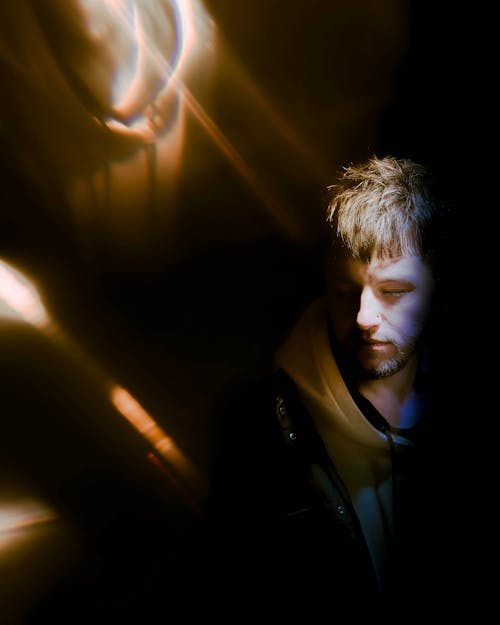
(368, 313)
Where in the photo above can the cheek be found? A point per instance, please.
(419, 309)
(409, 319)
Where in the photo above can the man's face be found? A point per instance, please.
(378, 310)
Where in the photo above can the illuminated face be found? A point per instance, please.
(378, 310)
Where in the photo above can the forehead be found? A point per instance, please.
(404, 268)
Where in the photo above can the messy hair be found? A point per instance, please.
(384, 207)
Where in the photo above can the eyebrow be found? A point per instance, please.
(401, 282)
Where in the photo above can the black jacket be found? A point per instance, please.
(282, 528)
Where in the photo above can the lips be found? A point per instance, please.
(372, 342)
(360, 340)
(372, 345)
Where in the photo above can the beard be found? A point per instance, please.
(392, 365)
(358, 368)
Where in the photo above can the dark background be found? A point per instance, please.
(345, 80)
(238, 261)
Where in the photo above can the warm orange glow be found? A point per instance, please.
(151, 42)
(278, 211)
(19, 298)
(263, 110)
(151, 431)
(22, 515)
(152, 48)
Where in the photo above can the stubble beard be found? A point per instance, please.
(387, 368)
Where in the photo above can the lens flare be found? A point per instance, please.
(147, 44)
(18, 516)
(151, 431)
(19, 298)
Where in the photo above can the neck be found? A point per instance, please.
(394, 396)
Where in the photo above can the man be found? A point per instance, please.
(324, 477)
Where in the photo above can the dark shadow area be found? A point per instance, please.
(300, 89)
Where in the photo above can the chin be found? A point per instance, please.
(387, 368)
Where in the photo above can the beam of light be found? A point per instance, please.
(133, 194)
(143, 110)
(278, 211)
(147, 81)
(257, 101)
(24, 514)
(139, 77)
(19, 298)
(24, 302)
(16, 517)
(151, 431)
(161, 37)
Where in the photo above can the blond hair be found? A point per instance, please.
(384, 207)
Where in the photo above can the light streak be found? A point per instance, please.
(161, 39)
(130, 408)
(25, 303)
(24, 514)
(310, 157)
(270, 200)
(20, 298)
(19, 516)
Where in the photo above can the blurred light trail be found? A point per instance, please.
(150, 430)
(152, 42)
(19, 298)
(22, 515)
(130, 188)
(246, 172)
(147, 81)
(24, 302)
(259, 104)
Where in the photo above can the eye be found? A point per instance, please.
(395, 289)
(396, 293)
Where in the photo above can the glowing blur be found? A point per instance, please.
(19, 298)
(150, 42)
(147, 427)
(22, 515)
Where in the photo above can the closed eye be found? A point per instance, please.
(395, 293)
(395, 289)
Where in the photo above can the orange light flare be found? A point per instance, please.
(145, 87)
(19, 299)
(266, 195)
(255, 100)
(16, 518)
(155, 41)
(159, 439)
(152, 44)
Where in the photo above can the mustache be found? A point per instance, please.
(367, 337)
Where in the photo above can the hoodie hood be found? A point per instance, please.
(307, 358)
(362, 454)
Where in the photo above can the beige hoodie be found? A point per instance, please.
(360, 452)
